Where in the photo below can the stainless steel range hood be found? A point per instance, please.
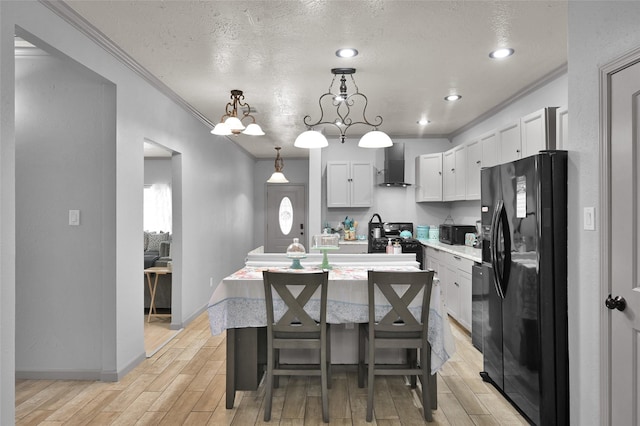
(394, 166)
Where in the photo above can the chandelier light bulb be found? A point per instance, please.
(311, 139)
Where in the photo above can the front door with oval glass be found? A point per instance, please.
(286, 217)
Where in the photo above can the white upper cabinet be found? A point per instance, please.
(448, 178)
(454, 171)
(429, 177)
(474, 164)
(538, 131)
(562, 127)
(461, 172)
(509, 147)
(349, 184)
(489, 144)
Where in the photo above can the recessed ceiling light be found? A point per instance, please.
(452, 97)
(423, 122)
(501, 53)
(347, 52)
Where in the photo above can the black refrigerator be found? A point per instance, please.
(524, 262)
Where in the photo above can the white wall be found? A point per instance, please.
(210, 202)
(65, 159)
(599, 32)
(157, 170)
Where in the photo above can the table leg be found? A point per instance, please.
(152, 303)
(231, 369)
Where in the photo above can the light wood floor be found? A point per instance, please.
(157, 333)
(184, 384)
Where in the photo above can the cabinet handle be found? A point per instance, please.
(440, 173)
(518, 151)
(456, 283)
(478, 162)
(457, 257)
(453, 170)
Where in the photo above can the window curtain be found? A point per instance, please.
(157, 208)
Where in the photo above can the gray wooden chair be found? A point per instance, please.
(397, 328)
(296, 329)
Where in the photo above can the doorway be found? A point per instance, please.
(286, 217)
(162, 242)
(620, 203)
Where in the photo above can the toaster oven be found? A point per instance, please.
(454, 234)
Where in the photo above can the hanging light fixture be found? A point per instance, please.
(230, 124)
(343, 122)
(278, 176)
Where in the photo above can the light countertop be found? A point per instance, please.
(474, 254)
(352, 242)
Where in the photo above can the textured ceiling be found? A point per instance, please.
(280, 53)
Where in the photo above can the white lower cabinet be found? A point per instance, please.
(454, 273)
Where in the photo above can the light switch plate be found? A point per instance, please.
(74, 217)
(589, 221)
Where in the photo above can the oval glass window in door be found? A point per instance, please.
(285, 215)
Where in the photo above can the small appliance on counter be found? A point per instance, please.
(454, 234)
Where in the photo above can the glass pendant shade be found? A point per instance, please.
(254, 130)
(277, 177)
(311, 139)
(234, 123)
(375, 139)
(221, 129)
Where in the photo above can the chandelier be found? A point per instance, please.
(230, 124)
(343, 102)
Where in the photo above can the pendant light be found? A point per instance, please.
(230, 124)
(343, 101)
(278, 176)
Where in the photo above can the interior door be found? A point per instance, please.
(286, 217)
(625, 254)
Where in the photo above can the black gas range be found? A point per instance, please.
(392, 231)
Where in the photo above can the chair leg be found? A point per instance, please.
(276, 364)
(323, 383)
(268, 399)
(361, 349)
(425, 366)
(370, 378)
(412, 362)
(328, 356)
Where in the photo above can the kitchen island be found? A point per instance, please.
(237, 306)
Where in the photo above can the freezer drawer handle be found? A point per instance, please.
(616, 303)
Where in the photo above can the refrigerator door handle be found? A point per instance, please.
(497, 279)
(506, 261)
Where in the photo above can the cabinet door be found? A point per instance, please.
(463, 278)
(509, 147)
(361, 184)
(459, 172)
(474, 164)
(449, 181)
(562, 127)
(538, 131)
(489, 143)
(453, 290)
(338, 188)
(429, 177)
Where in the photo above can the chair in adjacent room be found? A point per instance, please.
(296, 329)
(394, 294)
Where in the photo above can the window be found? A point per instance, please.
(157, 207)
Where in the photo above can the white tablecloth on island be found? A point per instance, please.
(238, 302)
